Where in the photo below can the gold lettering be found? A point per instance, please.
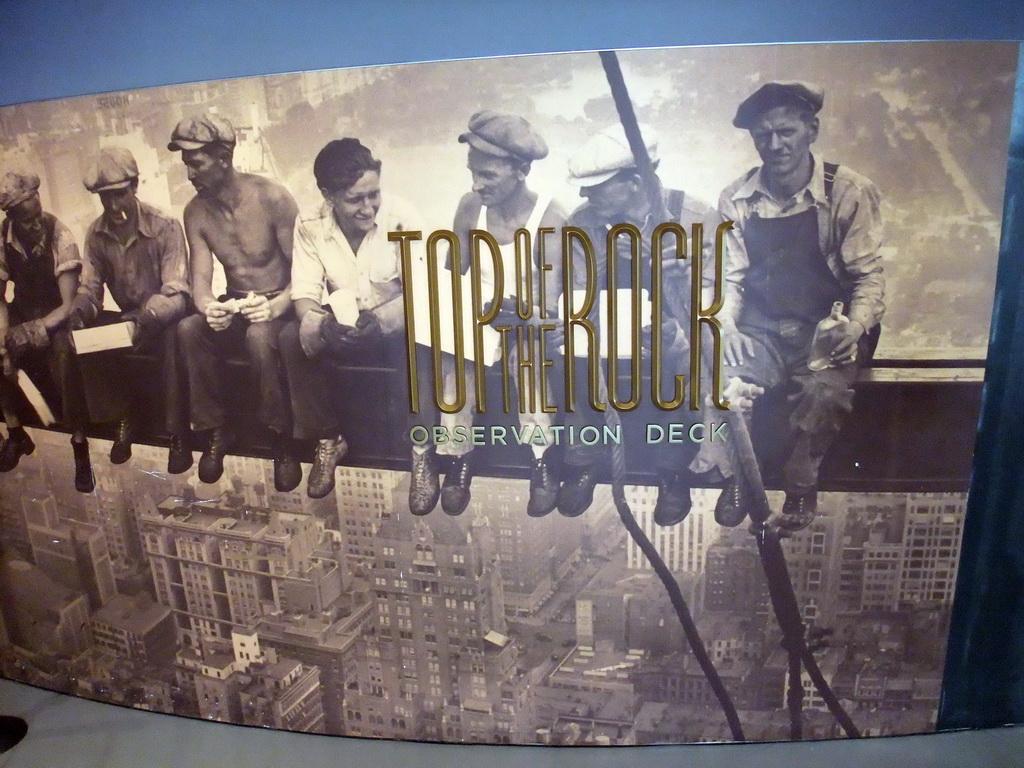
(636, 317)
(545, 363)
(657, 350)
(524, 274)
(579, 317)
(542, 268)
(404, 240)
(700, 316)
(435, 322)
(481, 317)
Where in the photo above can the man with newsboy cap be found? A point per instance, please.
(807, 235)
(139, 254)
(604, 169)
(41, 258)
(502, 148)
(246, 222)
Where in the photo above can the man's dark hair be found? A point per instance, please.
(341, 163)
(220, 151)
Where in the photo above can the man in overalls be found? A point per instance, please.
(807, 234)
(42, 260)
(605, 171)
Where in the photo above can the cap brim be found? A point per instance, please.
(592, 179)
(185, 144)
(21, 199)
(111, 187)
(483, 145)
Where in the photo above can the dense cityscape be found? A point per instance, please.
(349, 616)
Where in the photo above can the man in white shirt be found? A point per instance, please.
(502, 148)
(341, 257)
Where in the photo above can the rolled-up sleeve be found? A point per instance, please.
(307, 268)
(66, 256)
(858, 222)
(90, 285)
(173, 259)
(735, 256)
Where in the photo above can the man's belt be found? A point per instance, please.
(247, 294)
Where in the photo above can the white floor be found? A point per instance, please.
(65, 731)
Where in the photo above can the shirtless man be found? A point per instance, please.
(246, 221)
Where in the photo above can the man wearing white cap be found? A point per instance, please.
(139, 254)
(247, 223)
(605, 170)
(502, 149)
(807, 236)
(41, 258)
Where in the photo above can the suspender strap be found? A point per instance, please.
(830, 179)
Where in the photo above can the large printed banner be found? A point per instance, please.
(437, 401)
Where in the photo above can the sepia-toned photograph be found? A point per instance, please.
(573, 399)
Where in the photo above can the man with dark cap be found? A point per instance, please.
(41, 258)
(807, 235)
(347, 289)
(502, 149)
(247, 223)
(605, 171)
(139, 254)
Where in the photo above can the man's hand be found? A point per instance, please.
(508, 315)
(311, 331)
(256, 309)
(736, 346)
(27, 336)
(367, 330)
(147, 324)
(219, 315)
(740, 394)
(81, 311)
(846, 350)
(6, 364)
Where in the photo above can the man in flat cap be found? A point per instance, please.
(604, 169)
(41, 258)
(139, 254)
(502, 148)
(347, 289)
(247, 223)
(807, 235)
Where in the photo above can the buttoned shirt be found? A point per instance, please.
(154, 260)
(65, 250)
(323, 261)
(849, 233)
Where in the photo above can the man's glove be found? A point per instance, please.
(368, 329)
(507, 314)
(27, 336)
(311, 331)
(147, 326)
(341, 339)
(160, 309)
(81, 314)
